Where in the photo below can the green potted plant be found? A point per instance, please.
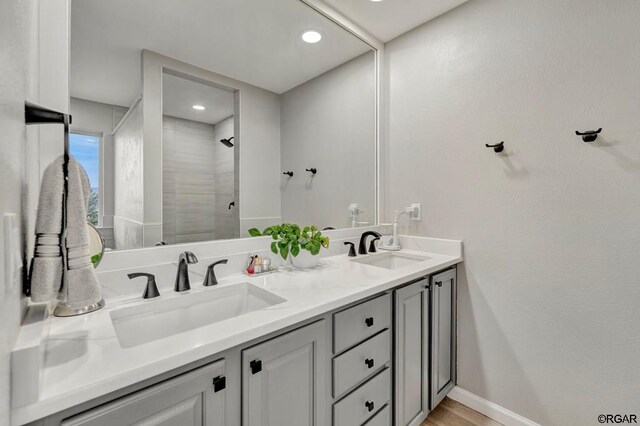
(289, 239)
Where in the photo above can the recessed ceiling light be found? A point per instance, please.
(376, 1)
(198, 107)
(311, 36)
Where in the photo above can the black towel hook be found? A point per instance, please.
(290, 174)
(589, 135)
(313, 170)
(499, 147)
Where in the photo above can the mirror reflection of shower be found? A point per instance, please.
(200, 162)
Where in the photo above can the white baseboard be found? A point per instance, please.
(489, 409)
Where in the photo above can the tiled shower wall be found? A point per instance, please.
(188, 181)
(197, 182)
(227, 219)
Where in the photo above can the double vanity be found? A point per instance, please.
(352, 341)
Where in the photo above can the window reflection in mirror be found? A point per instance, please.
(85, 148)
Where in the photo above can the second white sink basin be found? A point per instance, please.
(156, 319)
(391, 260)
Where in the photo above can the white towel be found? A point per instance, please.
(47, 263)
(75, 285)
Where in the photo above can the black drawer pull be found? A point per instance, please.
(256, 366)
(369, 321)
(439, 283)
(219, 383)
(369, 405)
(369, 362)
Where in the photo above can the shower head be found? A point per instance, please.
(227, 142)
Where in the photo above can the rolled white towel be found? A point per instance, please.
(46, 273)
(47, 264)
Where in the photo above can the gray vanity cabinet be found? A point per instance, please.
(412, 352)
(388, 359)
(425, 313)
(284, 380)
(443, 335)
(196, 398)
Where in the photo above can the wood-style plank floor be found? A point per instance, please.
(452, 413)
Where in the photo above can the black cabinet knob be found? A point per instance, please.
(439, 283)
(369, 321)
(369, 405)
(219, 383)
(255, 366)
(369, 362)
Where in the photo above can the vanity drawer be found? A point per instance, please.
(357, 407)
(361, 362)
(382, 418)
(359, 322)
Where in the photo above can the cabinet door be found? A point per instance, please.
(443, 335)
(412, 353)
(284, 380)
(195, 398)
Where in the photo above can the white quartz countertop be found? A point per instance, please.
(84, 360)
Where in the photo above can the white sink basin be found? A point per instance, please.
(391, 260)
(156, 319)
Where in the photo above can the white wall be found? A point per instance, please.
(17, 29)
(32, 36)
(549, 323)
(129, 224)
(329, 123)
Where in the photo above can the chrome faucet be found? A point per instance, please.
(362, 247)
(182, 278)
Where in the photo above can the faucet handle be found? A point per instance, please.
(151, 290)
(352, 248)
(210, 279)
(372, 245)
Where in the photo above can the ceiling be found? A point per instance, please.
(255, 41)
(387, 19)
(180, 94)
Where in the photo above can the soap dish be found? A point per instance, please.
(267, 272)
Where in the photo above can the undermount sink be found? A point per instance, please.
(391, 260)
(157, 319)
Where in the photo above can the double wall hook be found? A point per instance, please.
(313, 170)
(290, 174)
(589, 135)
(499, 147)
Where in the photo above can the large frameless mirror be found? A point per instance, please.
(198, 120)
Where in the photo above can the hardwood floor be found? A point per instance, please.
(452, 413)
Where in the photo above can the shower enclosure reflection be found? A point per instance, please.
(198, 162)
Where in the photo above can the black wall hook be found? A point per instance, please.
(589, 135)
(499, 147)
(313, 170)
(290, 174)
(232, 204)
